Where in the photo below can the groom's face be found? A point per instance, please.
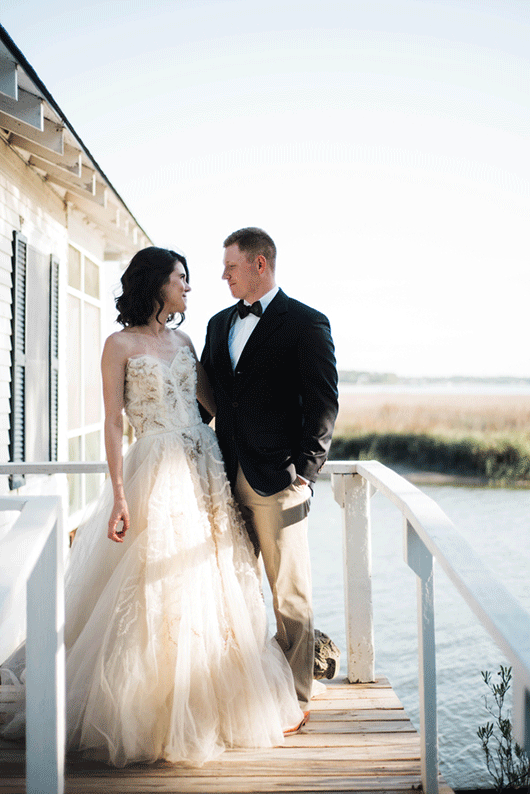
(241, 273)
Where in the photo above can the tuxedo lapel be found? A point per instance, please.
(223, 331)
(273, 317)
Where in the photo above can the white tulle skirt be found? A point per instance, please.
(166, 634)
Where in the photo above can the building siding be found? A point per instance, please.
(30, 206)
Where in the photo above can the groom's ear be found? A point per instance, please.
(261, 263)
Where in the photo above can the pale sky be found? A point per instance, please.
(384, 145)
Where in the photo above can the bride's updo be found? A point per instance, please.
(142, 284)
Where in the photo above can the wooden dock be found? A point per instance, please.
(359, 739)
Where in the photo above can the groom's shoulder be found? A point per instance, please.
(304, 312)
(220, 316)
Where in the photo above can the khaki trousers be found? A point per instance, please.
(277, 526)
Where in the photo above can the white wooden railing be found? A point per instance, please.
(427, 535)
(31, 559)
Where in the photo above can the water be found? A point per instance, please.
(495, 523)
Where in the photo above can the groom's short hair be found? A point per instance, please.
(253, 242)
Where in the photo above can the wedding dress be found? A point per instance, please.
(166, 634)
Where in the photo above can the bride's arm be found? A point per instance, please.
(113, 364)
(205, 391)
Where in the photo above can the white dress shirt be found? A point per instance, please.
(242, 328)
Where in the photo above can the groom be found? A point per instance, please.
(271, 363)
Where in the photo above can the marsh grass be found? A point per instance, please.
(434, 413)
(473, 435)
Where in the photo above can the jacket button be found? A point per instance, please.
(235, 405)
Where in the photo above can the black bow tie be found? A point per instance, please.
(244, 310)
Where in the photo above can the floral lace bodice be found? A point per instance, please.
(161, 396)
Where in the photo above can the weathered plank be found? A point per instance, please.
(386, 742)
(362, 690)
(359, 714)
(341, 725)
(358, 704)
(155, 785)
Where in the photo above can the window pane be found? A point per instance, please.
(74, 480)
(74, 268)
(93, 452)
(93, 446)
(91, 278)
(73, 360)
(93, 486)
(91, 363)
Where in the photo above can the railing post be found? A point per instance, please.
(419, 558)
(45, 667)
(521, 711)
(352, 492)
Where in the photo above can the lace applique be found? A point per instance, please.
(193, 447)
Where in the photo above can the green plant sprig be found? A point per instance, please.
(506, 761)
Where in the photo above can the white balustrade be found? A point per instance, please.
(31, 557)
(427, 535)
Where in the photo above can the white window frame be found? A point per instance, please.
(85, 429)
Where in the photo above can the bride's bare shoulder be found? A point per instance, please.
(181, 339)
(118, 345)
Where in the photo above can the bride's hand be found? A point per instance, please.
(120, 513)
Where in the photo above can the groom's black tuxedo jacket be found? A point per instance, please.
(275, 413)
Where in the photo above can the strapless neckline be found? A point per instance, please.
(163, 361)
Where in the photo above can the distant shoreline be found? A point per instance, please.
(420, 477)
(447, 387)
(359, 378)
(434, 460)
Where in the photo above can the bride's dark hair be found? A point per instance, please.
(142, 284)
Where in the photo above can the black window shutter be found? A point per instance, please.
(54, 357)
(17, 433)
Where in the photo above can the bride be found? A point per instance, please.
(167, 653)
